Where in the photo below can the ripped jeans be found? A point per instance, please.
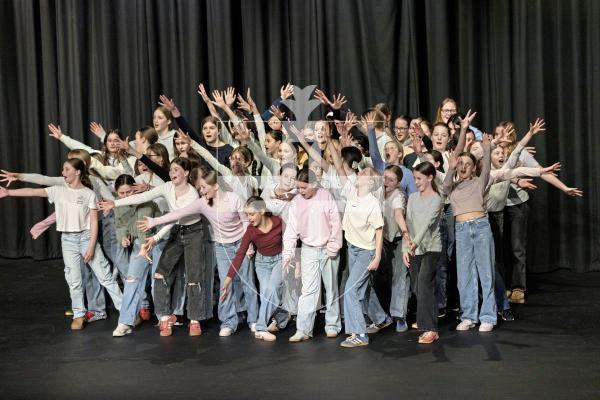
(186, 243)
(134, 285)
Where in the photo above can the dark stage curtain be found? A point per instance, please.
(73, 61)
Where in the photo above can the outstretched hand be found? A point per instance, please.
(55, 131)
(9, 177)
(106, 205)
(170, 105)
(144, 225)
(466, 121)
(538, 126)
(97, 130)
(286, 91)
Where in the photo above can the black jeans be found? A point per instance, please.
(422, 272)
(515, 227)
(185, 242)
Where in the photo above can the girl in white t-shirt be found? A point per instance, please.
(363, 230)
(77, 219)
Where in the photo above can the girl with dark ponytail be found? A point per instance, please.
(77, 219)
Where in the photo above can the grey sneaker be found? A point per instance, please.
(355, 340)
(374, 328)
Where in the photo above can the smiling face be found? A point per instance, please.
(125, 191)
(465, 167)
(177, 174)
(287, 179)
(207, 191)
(70, 174)
(160, 121)
(448, 110)
(440, 137)
(390, 181)
(287, 153)
(422, 181)
(210, 133)
(498, 157)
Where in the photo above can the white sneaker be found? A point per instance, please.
(486, 327)
(273, 327)
(252, 327)
(298, 337)
(122, 330)
(266, 336)
(465, 325)
(224, 332)
(331, 333)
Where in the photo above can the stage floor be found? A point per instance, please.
(551, 351)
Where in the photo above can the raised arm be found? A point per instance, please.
(71, 143)
(464, 125)
(378, 162)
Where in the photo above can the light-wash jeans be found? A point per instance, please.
(227, 310)
(317, 266)
(355, 289)
(475, 256)
(270, 274)
(134, 286)
(74, 246)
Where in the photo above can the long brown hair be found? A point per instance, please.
(79, 165)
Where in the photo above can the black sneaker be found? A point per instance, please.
(441, 312)
(507, 315)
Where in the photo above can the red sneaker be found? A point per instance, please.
(195, 329)
(145, 314)
(166, 326)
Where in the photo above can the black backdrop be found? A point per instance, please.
(73, 61)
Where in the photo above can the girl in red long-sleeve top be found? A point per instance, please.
(265, 231)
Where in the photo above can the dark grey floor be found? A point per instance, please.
(552, 351)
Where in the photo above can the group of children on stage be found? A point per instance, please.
(347, 214)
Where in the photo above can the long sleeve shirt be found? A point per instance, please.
(221, 153)
(315, 221)
(167, 191)
(267, 244)
(228, 224)
(423, 215)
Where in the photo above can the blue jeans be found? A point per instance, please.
(270, 274)
(356, 286)
(121, 262)
(225, 253)
(475, 256)
(74, 246)
(317, 266)
(134, 285)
